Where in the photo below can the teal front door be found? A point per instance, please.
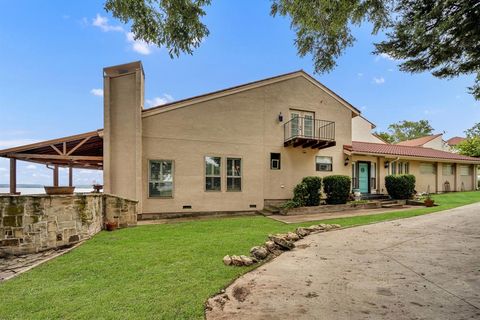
(363, 177)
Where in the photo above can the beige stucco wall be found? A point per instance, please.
(241, 125)
(362, 131)
(437, 144)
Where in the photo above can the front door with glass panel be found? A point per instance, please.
(363, 177)
(302, 123)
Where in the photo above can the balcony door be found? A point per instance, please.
(302, 123)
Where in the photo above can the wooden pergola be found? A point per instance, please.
(82, 151)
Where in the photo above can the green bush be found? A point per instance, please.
(337, 189)
(300, 195)
(400, 186)
(314, 185)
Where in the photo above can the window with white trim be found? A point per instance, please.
(234, 174)
(160, 178)
(213, 174)
(323, 163)
(275, 161)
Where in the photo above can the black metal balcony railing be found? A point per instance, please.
(309, 132)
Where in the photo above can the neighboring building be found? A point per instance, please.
(362, 131)
(234, 149)
(434, 141)
(453, 142)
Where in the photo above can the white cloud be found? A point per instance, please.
(102, 23)
(360, 74)
(32, 167)
(379, 80)
(97, 92)
(157, 101)
(138, 45)
(385, 56)
(390, 70)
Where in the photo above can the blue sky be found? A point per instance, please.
(52, 55)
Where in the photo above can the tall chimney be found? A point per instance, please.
(122, 138)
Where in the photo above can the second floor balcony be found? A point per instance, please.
(307, 132)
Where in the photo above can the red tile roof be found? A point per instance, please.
(405, 151)
(454, 141)
(419, 141)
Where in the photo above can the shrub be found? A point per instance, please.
(337, 189)
(400, 186)
(300, 195)
(314, 185)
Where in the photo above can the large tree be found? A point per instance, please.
(471, 145)
(406, 130)
(440, 36)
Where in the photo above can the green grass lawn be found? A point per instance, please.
(157, 271)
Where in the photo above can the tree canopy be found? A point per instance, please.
(471, 145)
(440, 36)
(406, 130)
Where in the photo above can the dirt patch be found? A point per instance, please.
(240, 293)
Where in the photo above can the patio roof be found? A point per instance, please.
(83, 151)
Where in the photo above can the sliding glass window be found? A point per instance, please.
(160, 179)
(234, 174)
(213, 176)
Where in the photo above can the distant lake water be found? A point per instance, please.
(40, 190)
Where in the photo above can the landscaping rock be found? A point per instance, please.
(259, 252)
(247, 261)
(282, 241)
(236, 261)
(302, 232)
(227, 260)
(291, 236)
(272, 247)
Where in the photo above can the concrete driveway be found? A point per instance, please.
(425, 267)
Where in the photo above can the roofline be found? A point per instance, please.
(432, 136)
(373, 124)
(350, 151)
(378, 137)
(244, 87)
(40, 144)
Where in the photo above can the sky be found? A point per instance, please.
(52, 54)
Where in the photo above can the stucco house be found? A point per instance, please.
(235, 149)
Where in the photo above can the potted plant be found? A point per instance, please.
(111, 225)
(428, 201)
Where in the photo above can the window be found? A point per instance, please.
(393, 168)
(234, 174)
(464, 170)
(275, 161)
(427, 168)
(160, 178)
(373, 175)
(213, 178)
(448, 169)
(323, 163)
(354, 176)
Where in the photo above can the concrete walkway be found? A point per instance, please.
(426, 267)
(299, 218)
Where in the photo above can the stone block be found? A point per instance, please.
(51, 226)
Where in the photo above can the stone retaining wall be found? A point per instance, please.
(33, 223)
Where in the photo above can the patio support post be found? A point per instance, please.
(55, 175)
(13, 176)
(70, 176)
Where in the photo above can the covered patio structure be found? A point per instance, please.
(82, 151)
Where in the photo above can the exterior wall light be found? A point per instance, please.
(280, 117)
(387, 164)
(347, 161)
